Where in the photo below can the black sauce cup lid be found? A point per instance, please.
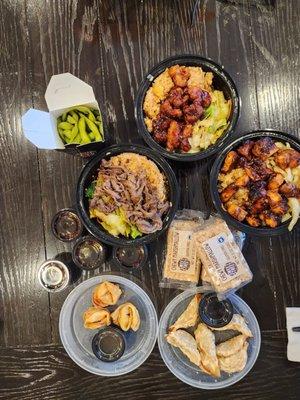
(133, 257)
(90, 247)
(214, 312)
(222, 81)
(108, 344)
(66, 225)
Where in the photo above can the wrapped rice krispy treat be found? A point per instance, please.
(182, 267)
(223, 264)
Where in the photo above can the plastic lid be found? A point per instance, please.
(130, 257)
(108, 344)
(214, 312)
(77, 340)
(88, 253)
(54, 275)
(177, 362)
(66, 225)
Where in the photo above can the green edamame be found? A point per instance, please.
(80, 125)
(65, 125)
(82, 130)
(71, 120)
(93, 129)
(74, 115)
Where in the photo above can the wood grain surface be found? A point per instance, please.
(21, 227)
(46, 372)
(111, 44)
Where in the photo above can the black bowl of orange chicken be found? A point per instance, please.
(255, 183)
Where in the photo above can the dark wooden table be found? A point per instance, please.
(111, 45)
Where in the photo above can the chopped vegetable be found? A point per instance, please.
(295, 210)
(89, 192)
(208, 130)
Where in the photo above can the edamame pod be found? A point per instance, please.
(94, 129)
(71, 119)
(91, 117)
(65, 125)
(77, 139)
(74, 133)
(75, 129)
(64, 116)
(82, 109)
(81, 126)
(74, 115)
(100, 127)
(92, 136)
(61, 134)
(67, 133)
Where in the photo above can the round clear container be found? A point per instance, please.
(77, 340)
(179, 364)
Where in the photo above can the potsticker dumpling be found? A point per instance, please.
(186, 343)
(231, 346)
(205, 340)
(189, 317)
(126, 316)
(96, 317)
(237, 323)
(106, 294)
(236, 362)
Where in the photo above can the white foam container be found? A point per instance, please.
(179, 364)
(77, 340)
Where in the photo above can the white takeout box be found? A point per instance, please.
(63, 92)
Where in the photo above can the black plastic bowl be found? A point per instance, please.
(279, 136)
(222, 81)
(90, 172)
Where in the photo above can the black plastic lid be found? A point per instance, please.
(66, 225)
(132, 257)
(213, 312)
(88, 253)
(108, 344)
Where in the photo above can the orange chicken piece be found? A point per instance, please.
(237, 212)
(289, 190)
(228, 192)
(253, 221)
(274, 197)
(275, 182)
(288, 158)
(229, 161)
(270, 219)
(280, 208)
(259, 205)
(242, 181)
(264, 148)
(245, 149)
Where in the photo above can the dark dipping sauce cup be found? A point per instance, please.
(133, 257)
(213, 312)
(88, 253)
(66, 225)
(108, 344)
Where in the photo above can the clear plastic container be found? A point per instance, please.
(179, 364)
(77, 340)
